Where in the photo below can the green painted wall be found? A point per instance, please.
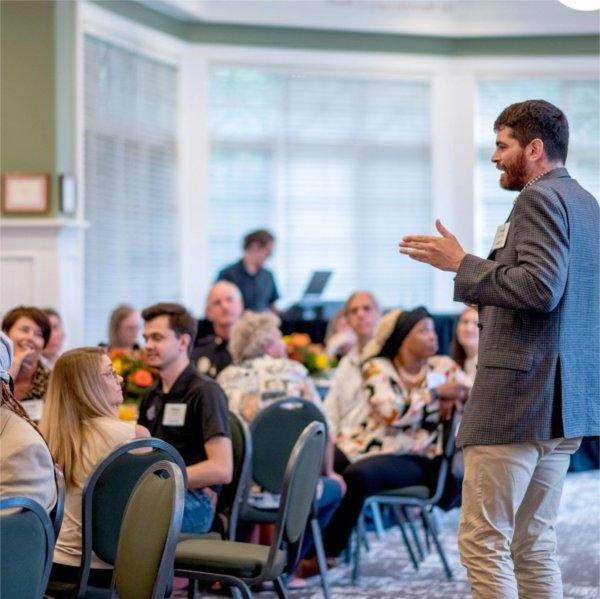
(27, 102)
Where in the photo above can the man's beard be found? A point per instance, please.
(515, 174)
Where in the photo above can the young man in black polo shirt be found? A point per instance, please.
(188, 410)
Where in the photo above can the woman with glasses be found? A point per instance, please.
(81, 426)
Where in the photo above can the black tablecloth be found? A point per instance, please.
(444, 327)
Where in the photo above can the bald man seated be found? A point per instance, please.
(224, 307)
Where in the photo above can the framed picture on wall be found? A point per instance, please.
(68, 194)
(25, 193)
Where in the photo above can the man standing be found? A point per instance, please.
(537, 385)
(256, 283)
(223, 309)
(188, 410)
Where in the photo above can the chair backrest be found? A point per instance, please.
(231, 496)
(58, 511)
(275, 430)
(105, 495)
(449, 429)
(299, 484)
(26, 549)
(149, 533)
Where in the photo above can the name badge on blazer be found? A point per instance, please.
(500, 237)
(174, 414)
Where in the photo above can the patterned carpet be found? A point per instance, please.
(387, 573)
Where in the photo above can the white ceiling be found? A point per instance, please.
(447, 18)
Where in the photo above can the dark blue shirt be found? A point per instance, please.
(259, 291)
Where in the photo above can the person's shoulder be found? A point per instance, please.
(117, 428)
(229, 270)
(203, 342)
(15, 429)
(204, 386)
(377, 366)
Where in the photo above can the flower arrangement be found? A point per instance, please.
(137, 377)
(311, 355)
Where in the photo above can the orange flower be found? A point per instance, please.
(142, 378)
(299, 339)
(118, 352)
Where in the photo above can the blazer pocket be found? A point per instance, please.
(507, 359)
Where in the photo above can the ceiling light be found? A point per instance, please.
(581, 4)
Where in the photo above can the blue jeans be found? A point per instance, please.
(198, 512)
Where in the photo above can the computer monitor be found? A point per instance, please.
(317, 283)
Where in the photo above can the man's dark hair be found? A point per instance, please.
(180, 320)
(35, 314)
(261, 236)
(537, 119)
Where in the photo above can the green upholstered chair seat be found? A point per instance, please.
(243, 560)
(420, 492)
(258, 516)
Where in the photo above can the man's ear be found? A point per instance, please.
(185, 340)
(536, 149)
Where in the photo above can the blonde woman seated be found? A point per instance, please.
(410, 391)
(81, 426)
(261, 372)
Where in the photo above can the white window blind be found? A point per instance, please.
(579, 99)
(337, 167)
(131, 248)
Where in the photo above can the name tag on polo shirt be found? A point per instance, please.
(34, 408)
(501, 235)
(174, 414)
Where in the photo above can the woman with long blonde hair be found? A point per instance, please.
(81, 427)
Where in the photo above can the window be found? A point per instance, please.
(579, 99)
(338, 167)
(131, 248)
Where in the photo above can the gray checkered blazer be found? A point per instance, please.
(538, 375)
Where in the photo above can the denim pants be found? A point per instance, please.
(198, 512)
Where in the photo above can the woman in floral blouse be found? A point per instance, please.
(410, 391)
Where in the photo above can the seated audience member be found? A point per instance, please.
(187, 410)
(340, 338)
(29, 330)
(255, 282)
(346, 405)
(223, 308)
(465, 342)
(57, 337)
(81, 426)
(410, 390)
(124, 328)
(263, 373)
(26, 468)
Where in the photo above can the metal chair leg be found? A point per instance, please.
(192, 586)
(413, 531)
(409, 548)
(426, 529)
(438, 546)
(280, 588)
(377, 519)
(321, 559)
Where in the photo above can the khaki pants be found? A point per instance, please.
(511, 495)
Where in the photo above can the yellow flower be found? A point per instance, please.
(118, 365)
(321, 361)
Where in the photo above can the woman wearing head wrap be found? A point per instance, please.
(26, 468)
(410, 390)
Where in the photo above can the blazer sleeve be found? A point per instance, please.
(537, 282)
